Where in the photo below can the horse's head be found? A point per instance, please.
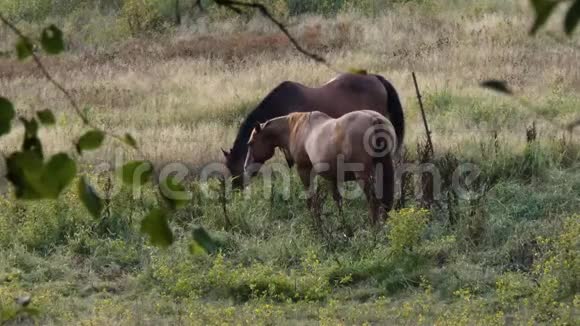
(261, 148)
(235, 164)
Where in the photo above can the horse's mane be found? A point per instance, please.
(295, 122)
(277, 103)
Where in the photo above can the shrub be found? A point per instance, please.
(30, 10)
(405, 229)
(558, 271)
(141, 15)
(511, 287)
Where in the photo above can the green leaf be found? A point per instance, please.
(129, 140)
(31, 141)
(90, 140)
(572, 17)
(30, 127)
(24, 170)
(51, 40)
(138, 172)
(497, 85)
(57, 174)
(33, 144)
(174, 192)
(23, 48)
(156, 226)
(89, 198)
(202, 238)
(6, 115)
(46, 117)
(543, 9)
(34, 180)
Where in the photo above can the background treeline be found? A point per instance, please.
(152, 12)
(100, 22)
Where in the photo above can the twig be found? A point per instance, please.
(60, 87)
(232, 5)
(46, 74)
(224, 203)
(427, 131)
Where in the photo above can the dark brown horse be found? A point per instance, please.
(343, 94)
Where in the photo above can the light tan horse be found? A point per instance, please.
(356, 146)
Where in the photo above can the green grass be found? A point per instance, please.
(512, 254)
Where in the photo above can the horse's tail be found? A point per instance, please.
(382, 140)
(386, 176)
(394, 109)
(384, 143)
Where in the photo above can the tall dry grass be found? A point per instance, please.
(183, 94)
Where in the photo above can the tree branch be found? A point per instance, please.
(46, 74)
(60, 87)
(234, 4)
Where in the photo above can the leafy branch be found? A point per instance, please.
(35, 179)
(53, 43)
(544, 8)
(25, 47)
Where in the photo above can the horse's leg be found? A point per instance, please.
(365, 181)
(388, 184)
(305, 174)
(373, 202)
(338, 200)
(336, 196)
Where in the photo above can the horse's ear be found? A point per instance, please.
(226, 153)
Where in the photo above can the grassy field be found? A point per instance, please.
(509, 255)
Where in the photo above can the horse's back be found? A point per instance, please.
(357, 122)
(355, 84)
(343, 94)
(356, 130)
(287, 97)
(347, 93)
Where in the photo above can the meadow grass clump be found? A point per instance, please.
(221, 278)
(549, 290)
(406, 228)
(398, 262)
(473, 112)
